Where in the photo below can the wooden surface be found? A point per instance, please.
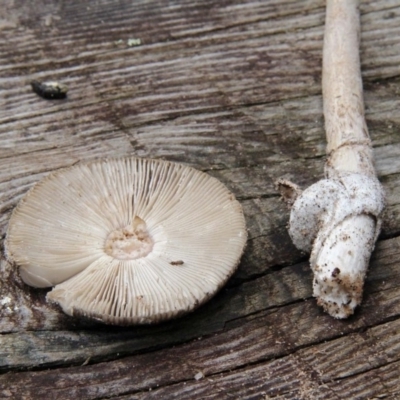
(233, 88)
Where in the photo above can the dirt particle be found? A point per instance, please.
(335, 272)
(178, 262)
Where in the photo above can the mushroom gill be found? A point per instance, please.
(127, 241)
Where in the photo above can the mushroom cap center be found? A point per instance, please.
(131, 242)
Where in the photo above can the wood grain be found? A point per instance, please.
(232, 88)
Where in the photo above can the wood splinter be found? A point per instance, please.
(338, 219)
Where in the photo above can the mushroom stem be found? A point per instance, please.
(338, 218)
(349, 146)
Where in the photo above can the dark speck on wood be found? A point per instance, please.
(50, 90)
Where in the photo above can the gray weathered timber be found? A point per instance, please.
(232, 88)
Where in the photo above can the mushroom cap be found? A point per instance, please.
(127, 241)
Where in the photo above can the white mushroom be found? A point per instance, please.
(338, 218)
(129, 240)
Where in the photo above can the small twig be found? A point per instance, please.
(338, 218)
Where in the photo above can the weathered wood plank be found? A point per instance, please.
(232, 88)
(292, 284)
(279, 333)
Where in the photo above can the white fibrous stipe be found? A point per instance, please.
(328, 202)
(339, 219)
